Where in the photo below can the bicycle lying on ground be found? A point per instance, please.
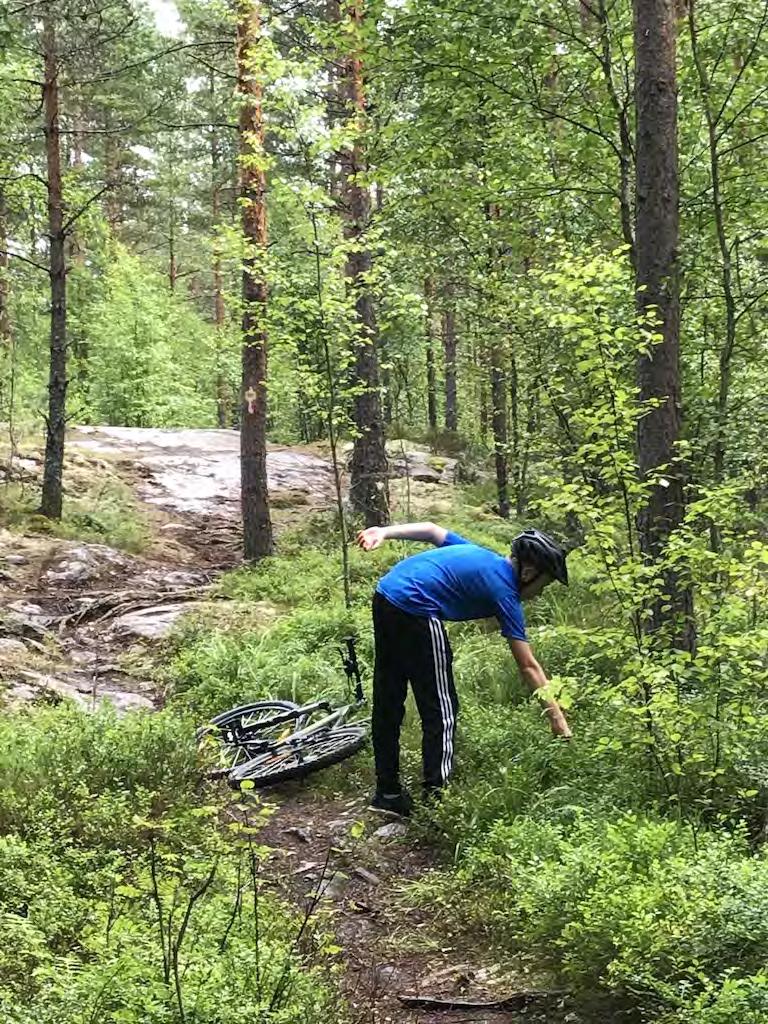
(272, 741)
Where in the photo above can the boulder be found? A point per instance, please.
(86, 563)
(152, 623)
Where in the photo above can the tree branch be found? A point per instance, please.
(752, 302)
(727, 125)
(24, 259)
(79, 213)
(107, 76)
(745, 142)
(10, 179)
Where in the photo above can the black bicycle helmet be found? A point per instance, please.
(532, 547)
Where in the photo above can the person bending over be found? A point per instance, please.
(458, 580)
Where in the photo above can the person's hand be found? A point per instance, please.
(559, 726)
(371, 538)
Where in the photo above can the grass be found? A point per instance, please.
(98, 506)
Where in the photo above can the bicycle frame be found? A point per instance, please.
(330, 721)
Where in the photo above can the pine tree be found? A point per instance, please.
(658, 298)
(257, 525)
(368, 485)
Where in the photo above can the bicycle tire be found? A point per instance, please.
(227, 728)
(224, 717)
(296, 762)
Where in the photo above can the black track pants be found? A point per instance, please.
(412, 649)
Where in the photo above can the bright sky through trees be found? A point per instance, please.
(166, 17)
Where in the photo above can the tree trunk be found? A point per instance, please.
(431, 332)
(386, 384)
(449, 356)
(257, 525)
(334, 97)
(499, 425)
(480, 362)
(113, 207)
(5, 321)
(498, 390)
(657, 227)
(386, 370)
(50, 504)
(223, 399)
(518, 462)
(368, 484)
(173, 261)
(621, 114)
(726, 268)
(173, 270)
(6, 352)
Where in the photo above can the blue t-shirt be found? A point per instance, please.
(457, 581)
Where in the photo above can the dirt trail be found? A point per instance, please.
(71, 610)
(388, 948)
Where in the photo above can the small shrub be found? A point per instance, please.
(738, 1001)
(634, 905)
(82, 778)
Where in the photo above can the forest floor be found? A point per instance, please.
(79, 620)
(77, 616)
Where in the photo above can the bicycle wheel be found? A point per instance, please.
(236, 736)
(295, 761)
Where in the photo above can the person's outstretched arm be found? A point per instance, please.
(536, 679)
(375, 535)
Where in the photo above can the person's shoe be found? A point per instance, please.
(432, 796)
(396, 805)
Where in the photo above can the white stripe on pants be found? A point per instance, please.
(443, 694)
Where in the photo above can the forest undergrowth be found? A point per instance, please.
(536, 231)
(629, 861)
(126, 893)
(101, 506)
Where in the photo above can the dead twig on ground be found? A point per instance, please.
(513, 1001)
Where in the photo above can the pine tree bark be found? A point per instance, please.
(658, 297)
(257, 525)
(5, 320)
(223, 402)
(368, 469)
(449, 359)
(51, 501)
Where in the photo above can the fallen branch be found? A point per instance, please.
(514, 1001)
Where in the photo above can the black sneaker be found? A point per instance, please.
(397, 805)
(432, 796)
